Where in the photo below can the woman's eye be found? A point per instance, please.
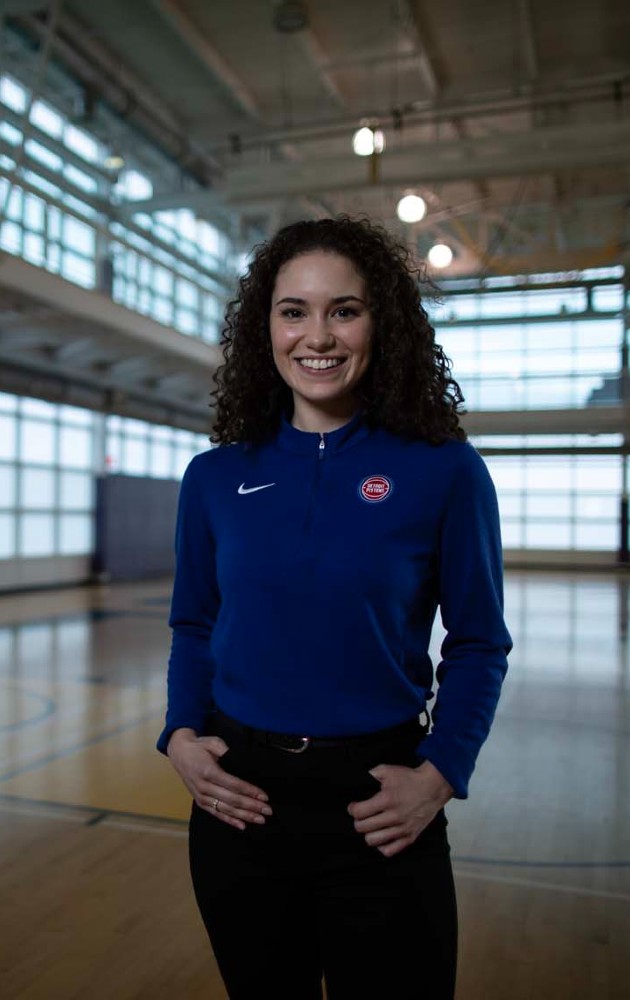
(346, 312)
(292, 313)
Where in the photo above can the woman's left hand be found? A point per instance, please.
(407, 802)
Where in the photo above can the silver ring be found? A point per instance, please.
(215, 804)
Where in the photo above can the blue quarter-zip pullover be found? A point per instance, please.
(309, 572)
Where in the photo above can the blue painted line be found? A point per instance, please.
(69, 751)
(48, 709)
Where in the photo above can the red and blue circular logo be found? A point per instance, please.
(375, 489)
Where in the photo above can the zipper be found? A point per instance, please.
(321, 451)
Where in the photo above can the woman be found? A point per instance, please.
(313, 548)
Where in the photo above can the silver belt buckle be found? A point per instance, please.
(305, 743)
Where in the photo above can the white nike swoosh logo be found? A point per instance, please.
(252, 489)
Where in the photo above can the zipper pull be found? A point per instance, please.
(322, 445)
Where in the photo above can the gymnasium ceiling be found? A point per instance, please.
(511, 118)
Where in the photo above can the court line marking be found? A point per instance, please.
(178, 829)
(49, 708)
(527, 883)
(47, 807)
(516, 863)
(69, 751)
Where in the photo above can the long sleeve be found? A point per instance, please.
(474, 651)
(194, 606)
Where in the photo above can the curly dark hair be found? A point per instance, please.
(407, 388)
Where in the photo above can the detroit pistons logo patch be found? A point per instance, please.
(375, 489)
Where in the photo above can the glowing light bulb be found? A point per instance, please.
(411, 208)
(368, 140)
(440, 255)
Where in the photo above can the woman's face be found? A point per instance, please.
(321, 330)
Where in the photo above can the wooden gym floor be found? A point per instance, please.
(94, 882)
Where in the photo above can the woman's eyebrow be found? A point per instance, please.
(336, 301)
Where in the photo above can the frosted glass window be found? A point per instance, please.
(80, 142)
(12, 94)
(186, 321)
(80, 179)
(43, 116)
(78, 269)
(8, 434)
(34, 249)
(161, 459)
(37, 488)
(75, 534)
(78, 236)
(75, 491)
(505, 304)
(209, 238)
(597, 359)
(37, 442)
(497, 394)
(37, 535)
(549, 337)
(608, 298)
(551, 505)
(162, 281)
(135, 457)
(134, 185)
(75, 415)
(182, 458)
(7, 486)
(512, 534)
(510, 504)
(187, 294)
(113, 453)
(601, 536)
(598, 333)
(34, 212)
(75, 447)
(597, 507)
(599, 472)
(44, 155)
(463, 306)
(162, 310)
(10, 133)
(39, 408)
(11, 237)
(553, 474)
(8, 403)
(7, 536)
(136, 427)
(547, 535)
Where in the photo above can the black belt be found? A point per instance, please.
(298, 744)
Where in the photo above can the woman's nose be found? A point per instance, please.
(319, 335)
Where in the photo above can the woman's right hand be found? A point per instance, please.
(196, 760)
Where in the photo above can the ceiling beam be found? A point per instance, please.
(413, 20)
(315, 52)
(208, 54)
(528, 40)
(15, 8)
(517, 154)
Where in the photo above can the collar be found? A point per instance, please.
(308, 442)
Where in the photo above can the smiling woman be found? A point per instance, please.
(321, 337)
(313, 548)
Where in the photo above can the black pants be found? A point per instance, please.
(304, 896)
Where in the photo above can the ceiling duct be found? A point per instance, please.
(290, 16)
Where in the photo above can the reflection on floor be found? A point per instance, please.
(92, 841)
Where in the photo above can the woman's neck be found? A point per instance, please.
(316, 420)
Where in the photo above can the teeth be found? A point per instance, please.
(320, 362)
